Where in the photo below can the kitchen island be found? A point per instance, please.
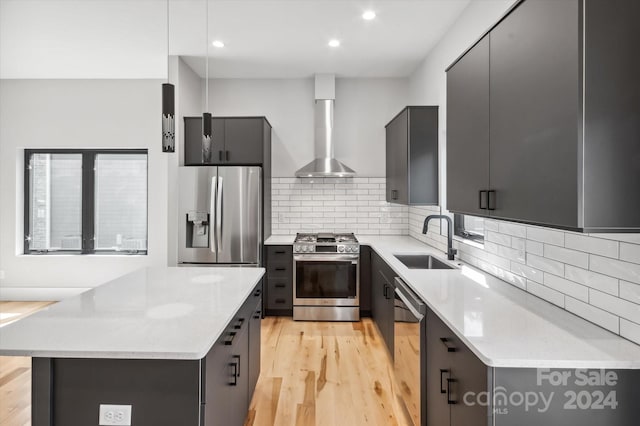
(170, 345)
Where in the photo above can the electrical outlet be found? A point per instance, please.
(115, 415)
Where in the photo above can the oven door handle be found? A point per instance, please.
(326, 258)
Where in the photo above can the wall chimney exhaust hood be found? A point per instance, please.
(324, 164)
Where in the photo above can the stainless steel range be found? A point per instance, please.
(326, 278)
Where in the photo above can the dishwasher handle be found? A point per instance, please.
(413, 302)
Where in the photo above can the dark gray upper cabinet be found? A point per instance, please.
(235, 141)
(612, 115)
(412, 156)
(468, 132)
(535, 114)
(564, 98)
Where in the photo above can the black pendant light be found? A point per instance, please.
(168, 106)
(206, 116)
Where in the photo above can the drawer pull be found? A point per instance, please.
(281, 269)
(229, 340)
(280, 252)
(280, 301)
(447, 342)
(257, 293)
(238, 325)
(257, 314)
(442, 371)
(449, 400)
(280, 285)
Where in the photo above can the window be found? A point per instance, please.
(469, 227)
(85, 201)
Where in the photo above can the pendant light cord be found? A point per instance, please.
(206, 59)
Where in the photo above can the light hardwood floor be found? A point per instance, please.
(313, 373)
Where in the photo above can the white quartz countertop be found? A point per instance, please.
(503, 325)
(152, 313)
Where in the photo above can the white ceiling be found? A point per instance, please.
(264, 38)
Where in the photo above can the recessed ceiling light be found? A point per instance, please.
(369, 15)
(334, 43)
(217, 43)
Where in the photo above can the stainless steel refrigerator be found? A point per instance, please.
(220, 215)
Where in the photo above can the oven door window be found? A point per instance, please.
(326, 280)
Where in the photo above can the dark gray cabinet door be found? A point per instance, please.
(612, 111)
(468, 132)
(365, 281)
(535, 113)
(397, 152)
(244, 140)
(421, 169)
(193, 141)
(438, 371)
(471, 378)
(254, 346)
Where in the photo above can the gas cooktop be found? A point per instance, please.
(326, 242)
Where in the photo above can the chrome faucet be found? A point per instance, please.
(451, 252)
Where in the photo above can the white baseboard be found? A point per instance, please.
(39, 294)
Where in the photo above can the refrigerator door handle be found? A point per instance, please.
(212, 231)
(219, 218)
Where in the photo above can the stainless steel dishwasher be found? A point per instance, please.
(410, 351)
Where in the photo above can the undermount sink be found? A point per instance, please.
(422, 261)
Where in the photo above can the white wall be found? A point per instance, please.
(363, 107)
(76, 114)
(594, 276)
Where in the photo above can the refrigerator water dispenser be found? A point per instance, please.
(197, 230)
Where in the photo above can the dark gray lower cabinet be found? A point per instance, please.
(382, 299)
(279, 283)
(452, 371)
(365, 281)
(215, 390)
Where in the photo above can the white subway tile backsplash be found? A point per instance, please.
(564, 255)
(615, 305)
(615, 268)
(546, 265)
(567, 287)
(603, 318)
(512, 229)
(335, 205)
(592, 279)
(630, 291)
(599, 246)
(497, 238)
(527, 272)
(630, 330)
(546, 293)
(545, 235)
(630, 252)
(534, 247)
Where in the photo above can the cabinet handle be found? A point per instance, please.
(229, 340)
(227, 155)
(237, 358)
(280, 301)
(279, 285)
(281, 269)
(446, 342)
(220, 155)
(482, 199)
(442, 390)
(238, 325)
(280, 252)
(257, 293)
(449, 400)
(235, 366)
(491, 200)
(384, 291)
(257, 314)
(394, 194)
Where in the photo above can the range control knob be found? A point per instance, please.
(341, 249)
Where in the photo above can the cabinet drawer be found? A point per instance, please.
(280, 299)
(279, 254)
(282, 270)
